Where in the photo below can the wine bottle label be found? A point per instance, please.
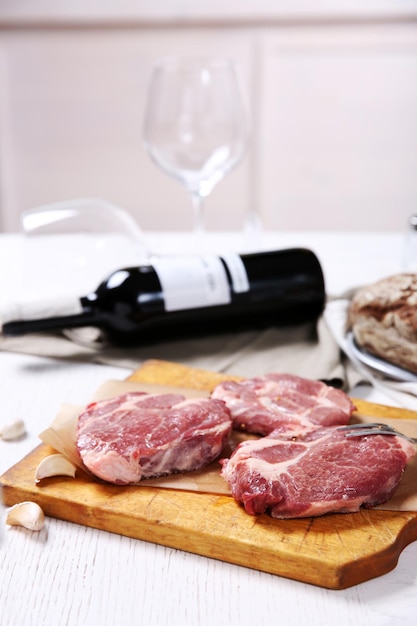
(194, 282)
(237, 269)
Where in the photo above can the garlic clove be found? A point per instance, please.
(54, 465)
(13, 430)
(26, 514)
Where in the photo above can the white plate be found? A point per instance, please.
(380, 365)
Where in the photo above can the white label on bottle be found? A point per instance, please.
(192, 282)
(237, 271)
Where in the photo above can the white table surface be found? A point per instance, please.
(76, 576)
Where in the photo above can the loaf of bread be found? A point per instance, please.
(383, 319)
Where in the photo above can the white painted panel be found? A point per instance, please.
(335, 142)
(7, 183)
(338, 128)
(76, 110)
(163, 10)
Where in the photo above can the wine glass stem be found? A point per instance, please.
(198, 216)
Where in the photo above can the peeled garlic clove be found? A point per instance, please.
(54, 465)
(13, 430)
(26, 514)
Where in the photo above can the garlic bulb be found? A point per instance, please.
(54, 465)
(26, 514)
(13, 430)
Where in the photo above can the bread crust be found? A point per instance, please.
(383, 319)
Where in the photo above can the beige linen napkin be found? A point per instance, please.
(307, 350)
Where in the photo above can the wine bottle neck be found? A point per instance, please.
(47, 324)
(54, 314)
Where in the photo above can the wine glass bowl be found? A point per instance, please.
(196, 123)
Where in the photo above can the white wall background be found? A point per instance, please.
(333, 91)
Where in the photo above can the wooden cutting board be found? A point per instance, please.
(333, 551)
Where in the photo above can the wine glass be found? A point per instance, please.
(196, 124)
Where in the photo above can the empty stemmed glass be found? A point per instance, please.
(196, 124)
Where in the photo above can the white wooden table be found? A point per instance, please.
(76, 576)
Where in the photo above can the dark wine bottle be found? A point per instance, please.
(192, 296)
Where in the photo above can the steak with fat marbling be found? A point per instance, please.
(321, 471)
(136, 435)
(283, 402)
